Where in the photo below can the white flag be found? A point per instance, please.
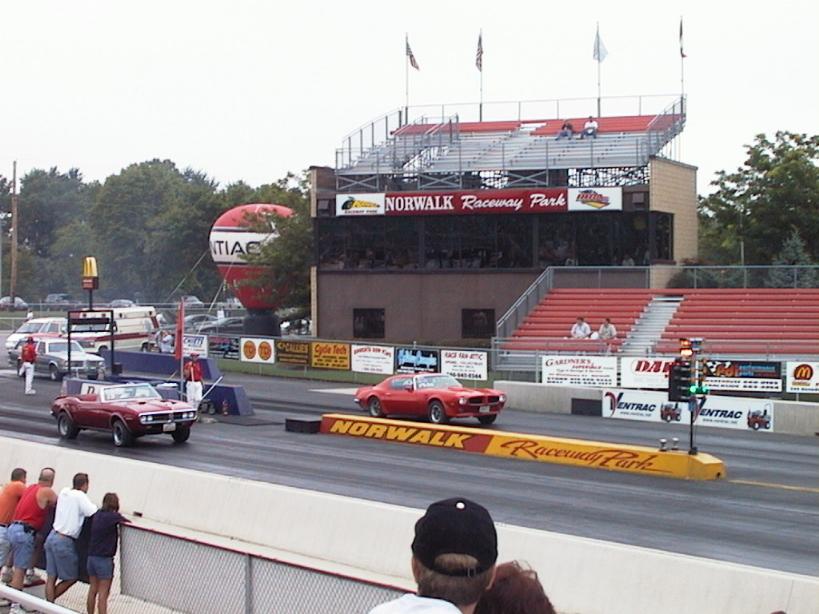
(600, 51)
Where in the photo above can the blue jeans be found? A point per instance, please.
(101, 567)
(22, 545)
(61, 557)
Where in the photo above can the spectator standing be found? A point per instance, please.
(566, 131)
(9, 498)
(28, 356)
(589, 128)
(453, 560)
(73, 507)
(516, 590)
(580, 329)
(102, 547)
(192, 371)
(166, 342)
(28, 518)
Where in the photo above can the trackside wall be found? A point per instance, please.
(371, 540)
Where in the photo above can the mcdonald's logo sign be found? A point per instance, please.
(803, 372)
(802, 377)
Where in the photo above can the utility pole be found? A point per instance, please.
(14, 226)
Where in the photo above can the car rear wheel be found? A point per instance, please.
(181, 434)
(122, 436)
(437, 413)
(374, 407)
(20, 372)
(54, 373)
(487, 419)
(66, 427)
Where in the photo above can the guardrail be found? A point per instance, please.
(30, 602)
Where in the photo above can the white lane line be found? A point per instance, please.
(336, 390)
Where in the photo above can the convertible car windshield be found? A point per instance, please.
(131, 391)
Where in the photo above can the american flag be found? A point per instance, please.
(479, 53)
(411, 57)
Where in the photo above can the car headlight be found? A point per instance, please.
(61, 363)
(502, 398)
(462, 401)
(146, 419)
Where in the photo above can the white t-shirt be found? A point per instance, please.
(73, 507)
(590, 125)
(580, 330)
(413, 604)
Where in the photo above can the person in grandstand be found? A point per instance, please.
(589, 128)
(516, 590)
(580, 329)
(607, 331)
(453, 560)
(102, 547)
(192, 372)
(566, 131)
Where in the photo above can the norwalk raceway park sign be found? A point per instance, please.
(520, 446)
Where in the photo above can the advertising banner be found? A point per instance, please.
(252, 349)
(373, 359)
(591, 371)
(725, 412)
(360, 204)
(595, 199)
(464, 364)
(802, 377)
(546, 200)
(324, 355)
(292, 352)
(416, 360)
(647, 372)
(195, 343)
(743, 375)
(223, 347)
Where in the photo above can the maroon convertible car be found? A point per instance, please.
(435, 395)
(127, 411)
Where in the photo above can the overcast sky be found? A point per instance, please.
(251, 89)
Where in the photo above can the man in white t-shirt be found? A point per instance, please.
(73, 507)
(589, 128)
(453, 560)
(580, 329)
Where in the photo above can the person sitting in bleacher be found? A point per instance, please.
(566, 131)
(580, 329)
(589, 129)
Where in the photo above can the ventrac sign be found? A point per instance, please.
(461, 202)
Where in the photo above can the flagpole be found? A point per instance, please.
(406, 78)
(480, 106)
(597, 42)
(682, 63)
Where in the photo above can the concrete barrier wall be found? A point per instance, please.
(792, 418)
(580, 575)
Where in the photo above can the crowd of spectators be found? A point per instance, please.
(76, 539)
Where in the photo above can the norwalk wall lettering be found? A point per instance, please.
(547, 200)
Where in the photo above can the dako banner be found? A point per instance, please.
(416, 360)
(591, 371)
(463, 364)
(253, 349)
(723, 412)
(648, 372)
(802, 377)
(743, 375)
(373, 359)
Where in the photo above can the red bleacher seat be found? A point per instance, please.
(626, 123)
(470, 127)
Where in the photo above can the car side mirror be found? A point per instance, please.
(409, 387)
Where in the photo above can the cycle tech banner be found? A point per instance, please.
(254, 349)
(743, 375)
(802, 377)
(590, 371)
(326, 355)
(464, 364)
(416, 360)
(373, 359)
(724, 412)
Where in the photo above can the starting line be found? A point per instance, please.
(577, 452)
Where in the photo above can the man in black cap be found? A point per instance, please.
(453, 560)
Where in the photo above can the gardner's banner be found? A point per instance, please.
(719, 411)
(416, 360)
(464, 364)
(324, 355)
(252, 349)
(802, 377)
(592, 371)
(373, 359)
(648, 372)
(293, 352)
(743, 375)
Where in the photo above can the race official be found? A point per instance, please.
(192, 372)
(28, 356)
(73, 507)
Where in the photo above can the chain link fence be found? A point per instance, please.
(189, 576)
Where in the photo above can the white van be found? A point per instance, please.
(134, 329)
(36, 327)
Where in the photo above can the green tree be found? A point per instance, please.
(774, 193)
(793, 253)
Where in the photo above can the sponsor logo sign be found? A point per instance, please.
(226, 347)
(592, 371)
(595, 199)
(464, 365)
(231, 247)
(255, 349)
(725, 412)
(390, 430)
(325, 355)
(195, 343)
(416, 360)
(802, 377)
(292, 352)
(648, 372)
(373, 359)
(360, 204)
(743, 375)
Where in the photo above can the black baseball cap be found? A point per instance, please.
(456, 526)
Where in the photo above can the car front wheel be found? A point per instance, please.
(437, 413)
(66, 427)
(54, 373)
(122, 436)
(181, 434)
(374, 407)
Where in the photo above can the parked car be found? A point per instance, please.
(192, 301)
(127, 411)
(223, 326)
(437, 396)
(121, 302)
(195, 320)
(60, 301)
(19, 304)
(37, 328)
(52, 359)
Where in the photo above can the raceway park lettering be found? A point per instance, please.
(407, 434)
(604, 458)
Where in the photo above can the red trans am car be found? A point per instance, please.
(434, 395)
(127, 411)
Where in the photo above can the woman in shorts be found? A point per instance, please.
(101, 550)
